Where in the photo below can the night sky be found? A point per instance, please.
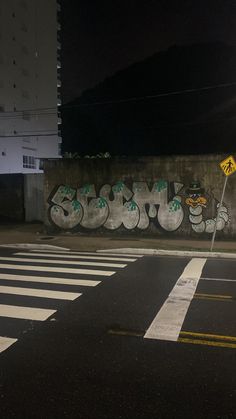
(100, 37)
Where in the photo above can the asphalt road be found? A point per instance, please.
(155, 338)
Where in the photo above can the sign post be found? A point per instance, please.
(229, 167)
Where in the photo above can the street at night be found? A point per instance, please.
(93, 357)
(118, 209)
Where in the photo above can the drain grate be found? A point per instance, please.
(47, 238)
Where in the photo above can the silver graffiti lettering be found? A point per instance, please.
(117, 206)
(119, 212)
(66, 212)
(95, 209)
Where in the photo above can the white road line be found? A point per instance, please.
(26, 313)
(74, 255)
(98, 252)
(6, 343)
(64, 262)
(219, 279)
(32, 292)
(168, 321)
(50, 280)
(55, 269)
(131, 255)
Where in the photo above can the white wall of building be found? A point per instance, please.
(28, 84)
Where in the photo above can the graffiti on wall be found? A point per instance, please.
(119, 206)
(197, 200)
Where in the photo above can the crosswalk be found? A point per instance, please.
(34, 284)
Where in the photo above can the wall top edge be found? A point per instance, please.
(179, 157)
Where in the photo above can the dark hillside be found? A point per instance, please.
(178, 101)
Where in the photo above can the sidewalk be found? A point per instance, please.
(34, 234)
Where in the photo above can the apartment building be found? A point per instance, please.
(29, 84)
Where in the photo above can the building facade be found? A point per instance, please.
(29, 84)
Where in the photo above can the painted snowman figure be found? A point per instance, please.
(196, 201)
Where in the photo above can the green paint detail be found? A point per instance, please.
(174, 205)
(67, 190)
(132, 206)
(118, 187)
(85, 189)
(101, 202)
(160, 185)
(76, 205)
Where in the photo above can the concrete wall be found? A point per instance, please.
(34, 197)
(174, 195)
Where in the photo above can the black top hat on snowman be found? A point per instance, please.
(195, 189)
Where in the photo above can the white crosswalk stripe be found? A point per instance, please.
(65, 262)
(59, 295)
(33, 267)
(50, 280)
(76, 255)
(27, 313)
(103, 254)
(56, 269)
(5, 343)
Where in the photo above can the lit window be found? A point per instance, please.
(29, 162)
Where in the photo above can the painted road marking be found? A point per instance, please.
(219, 279)
(131, 255)
(6, 343)
(195, 338)
(125, 332)
(32, 292)
(207, 339)
(216, 297)
(50, 280)
(208, 335)
(207, 343)
(74, 255)
(97, 253)
(27, 313)
(168, 321)
(64, 262)
(55, 269)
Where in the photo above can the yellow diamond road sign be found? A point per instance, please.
(228, 166)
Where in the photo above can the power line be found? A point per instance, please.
(28, 113)
(30, 135)
(147, 97)
(55, 110)
(26, 117)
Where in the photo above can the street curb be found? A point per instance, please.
(162, 252)
(33, 246)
